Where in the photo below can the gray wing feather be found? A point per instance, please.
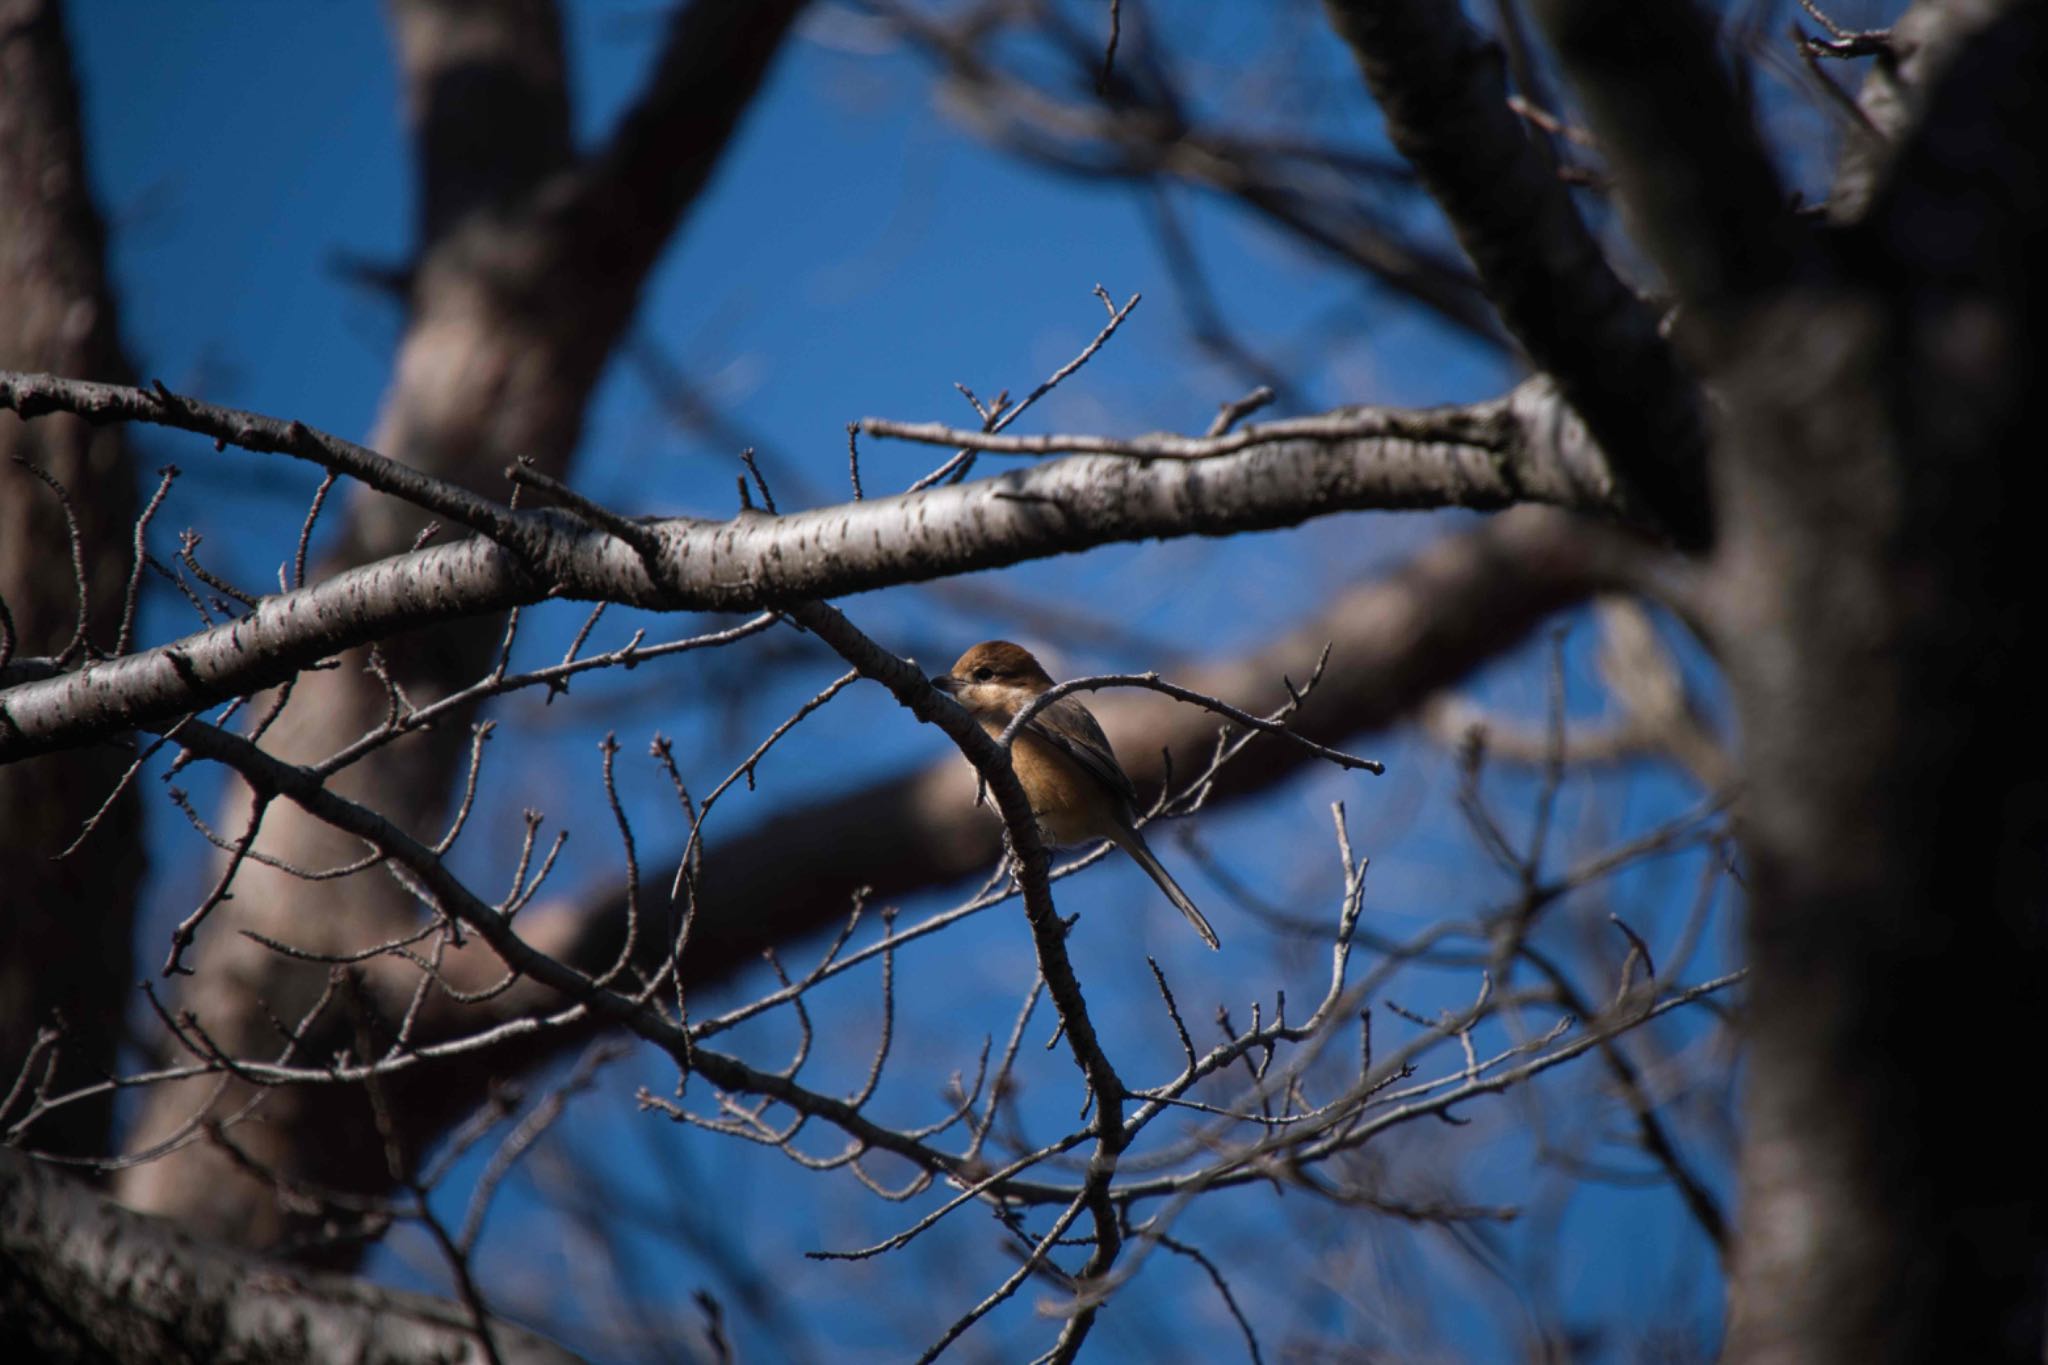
(1071, 728)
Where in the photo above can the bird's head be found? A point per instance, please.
(994, 676)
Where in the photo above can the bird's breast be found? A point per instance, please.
(1071, 806)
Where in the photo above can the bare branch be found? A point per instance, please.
(1707, 202)
(32, 395)
(1445, 101)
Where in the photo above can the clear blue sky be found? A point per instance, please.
(856, 256)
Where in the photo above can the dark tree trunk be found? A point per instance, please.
(65, 923)
(1881, 588)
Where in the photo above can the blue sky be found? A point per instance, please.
(857, 255)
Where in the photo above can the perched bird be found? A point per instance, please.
(1077, 789)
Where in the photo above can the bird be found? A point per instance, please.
(1078, 791)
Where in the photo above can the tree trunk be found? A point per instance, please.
(1880, 590)
(65, 924)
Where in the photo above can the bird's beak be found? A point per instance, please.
(944, 682)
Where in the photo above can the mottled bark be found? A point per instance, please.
(1876, 598)
(82, 1279)
(1523, 446)
(1889, 589)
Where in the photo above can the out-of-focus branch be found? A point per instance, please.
(1879, 442)
(64, 923)
(1659, 717)
(1523, 446)
(82, 1279)
(1140, 130)
(487, 93)
(1441, 89)
(1924, 42)
(1705, 199)
(625, 201)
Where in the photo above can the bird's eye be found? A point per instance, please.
(984, 673)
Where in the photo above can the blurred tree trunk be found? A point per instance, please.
(1872, 591)
(1881, 591)
(1876, 593)
(65, 924)
(531, 262)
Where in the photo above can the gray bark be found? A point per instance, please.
(1876, 594)
(82, 1279)
(1524, 446)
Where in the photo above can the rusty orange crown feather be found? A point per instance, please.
(1003, 660)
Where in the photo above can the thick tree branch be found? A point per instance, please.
(1441, 89)
(1880, 451)
(1704, 199)
(82, 1279)
(1521, 447)
(486, 88)
(1924, 42)
(625, 202)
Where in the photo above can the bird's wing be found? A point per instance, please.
(1068, 726)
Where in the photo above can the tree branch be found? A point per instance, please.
(1924, 42)
(1393, 643)
(1524, 446)
(1441, 89)
(627, 200)
(83, 1279)
(1142, 131)
(1704, 197)
(486, 87)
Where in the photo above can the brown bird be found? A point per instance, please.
(1077, 789)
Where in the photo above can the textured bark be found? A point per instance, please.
(1523, 446)
(1894, 733)
(531, 266)
(1876, 596)
(82, 1279)
(64, 925)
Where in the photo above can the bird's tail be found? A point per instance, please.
(1133, 843)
